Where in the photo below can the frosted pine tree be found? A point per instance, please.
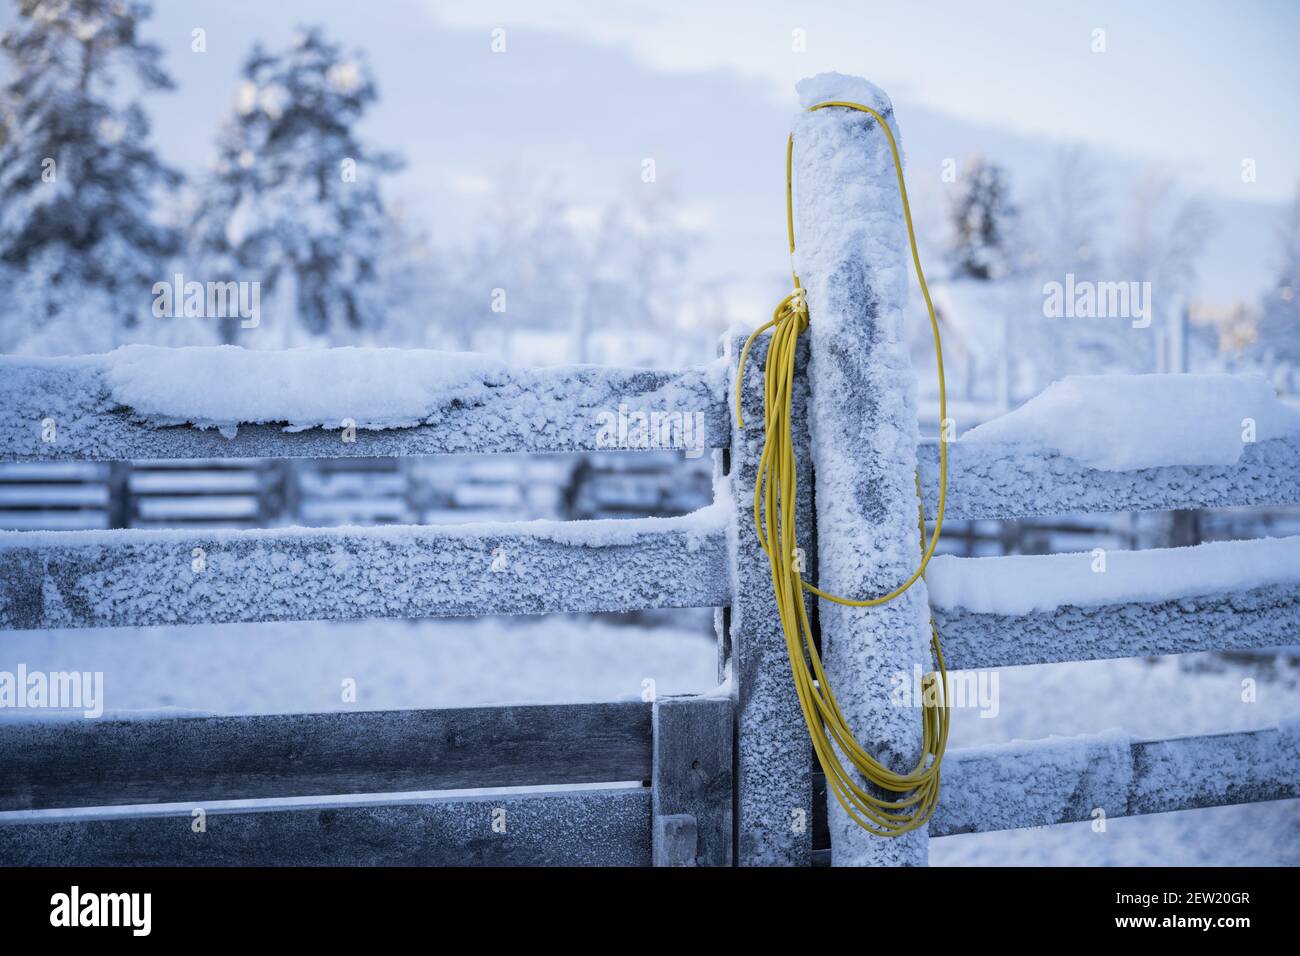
(79, 246)
(294, 201)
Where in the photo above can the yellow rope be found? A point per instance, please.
(774, 521)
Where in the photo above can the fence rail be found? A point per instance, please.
(1256, 618)
(131, 578)
(1062, 780)
(1014, 481)
(80, 763)
(362, 788)
(577, 828)
(520, 410)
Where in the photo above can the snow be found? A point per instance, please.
(226, 385)
(851, 256)
(300, 667)
(1127, 422)
(1147, 699)
(1023, 584)
(698, 526)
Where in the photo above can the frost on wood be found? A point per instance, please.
(1255, 618)
(1130, 422)
(1022, 584)
(1065, 779)
(851, 239)
(118, 578)
(773, 755)
(602, 827)
(147, 402)
(1034, 609)
(1003, 480)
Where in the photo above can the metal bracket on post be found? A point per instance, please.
(851, 258)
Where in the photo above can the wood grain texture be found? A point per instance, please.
(600, 827)
(692, 778)
(82, 763)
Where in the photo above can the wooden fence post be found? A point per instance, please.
(692, 782)
(774, 815)
(851, 257)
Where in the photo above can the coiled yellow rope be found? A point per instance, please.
(774, 522)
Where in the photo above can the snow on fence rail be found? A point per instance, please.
(1011, 480)
(143, 402)
(222, 402)
(120, 578)
(1037, 609)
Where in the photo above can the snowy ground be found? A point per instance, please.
(302, 667)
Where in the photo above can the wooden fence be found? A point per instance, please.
(712, 780)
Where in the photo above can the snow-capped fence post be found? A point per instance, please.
(773, 776)
(851, 242)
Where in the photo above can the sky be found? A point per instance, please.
(585, 91)
(1197, 83)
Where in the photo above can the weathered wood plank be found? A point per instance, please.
(1011, 481)
(596, 827)
(1062, 780)
(514, 410)
(82, 763)
(773, 816)
(135, 577)
(692, 778)
(1260, 617)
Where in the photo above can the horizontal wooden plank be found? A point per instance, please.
(593, 827)
(84, 763)
(138, 577)
(517, 410)
(1036, 609)
(1063, 780)
(1256, 618)
(1013, 481)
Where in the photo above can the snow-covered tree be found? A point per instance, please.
(1067, 216)
(981, 219)
(294, 202)
(523, 270)
(417, 291)
(1277, 335)
(634, 275)
(1163, 235)
(80, 248)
